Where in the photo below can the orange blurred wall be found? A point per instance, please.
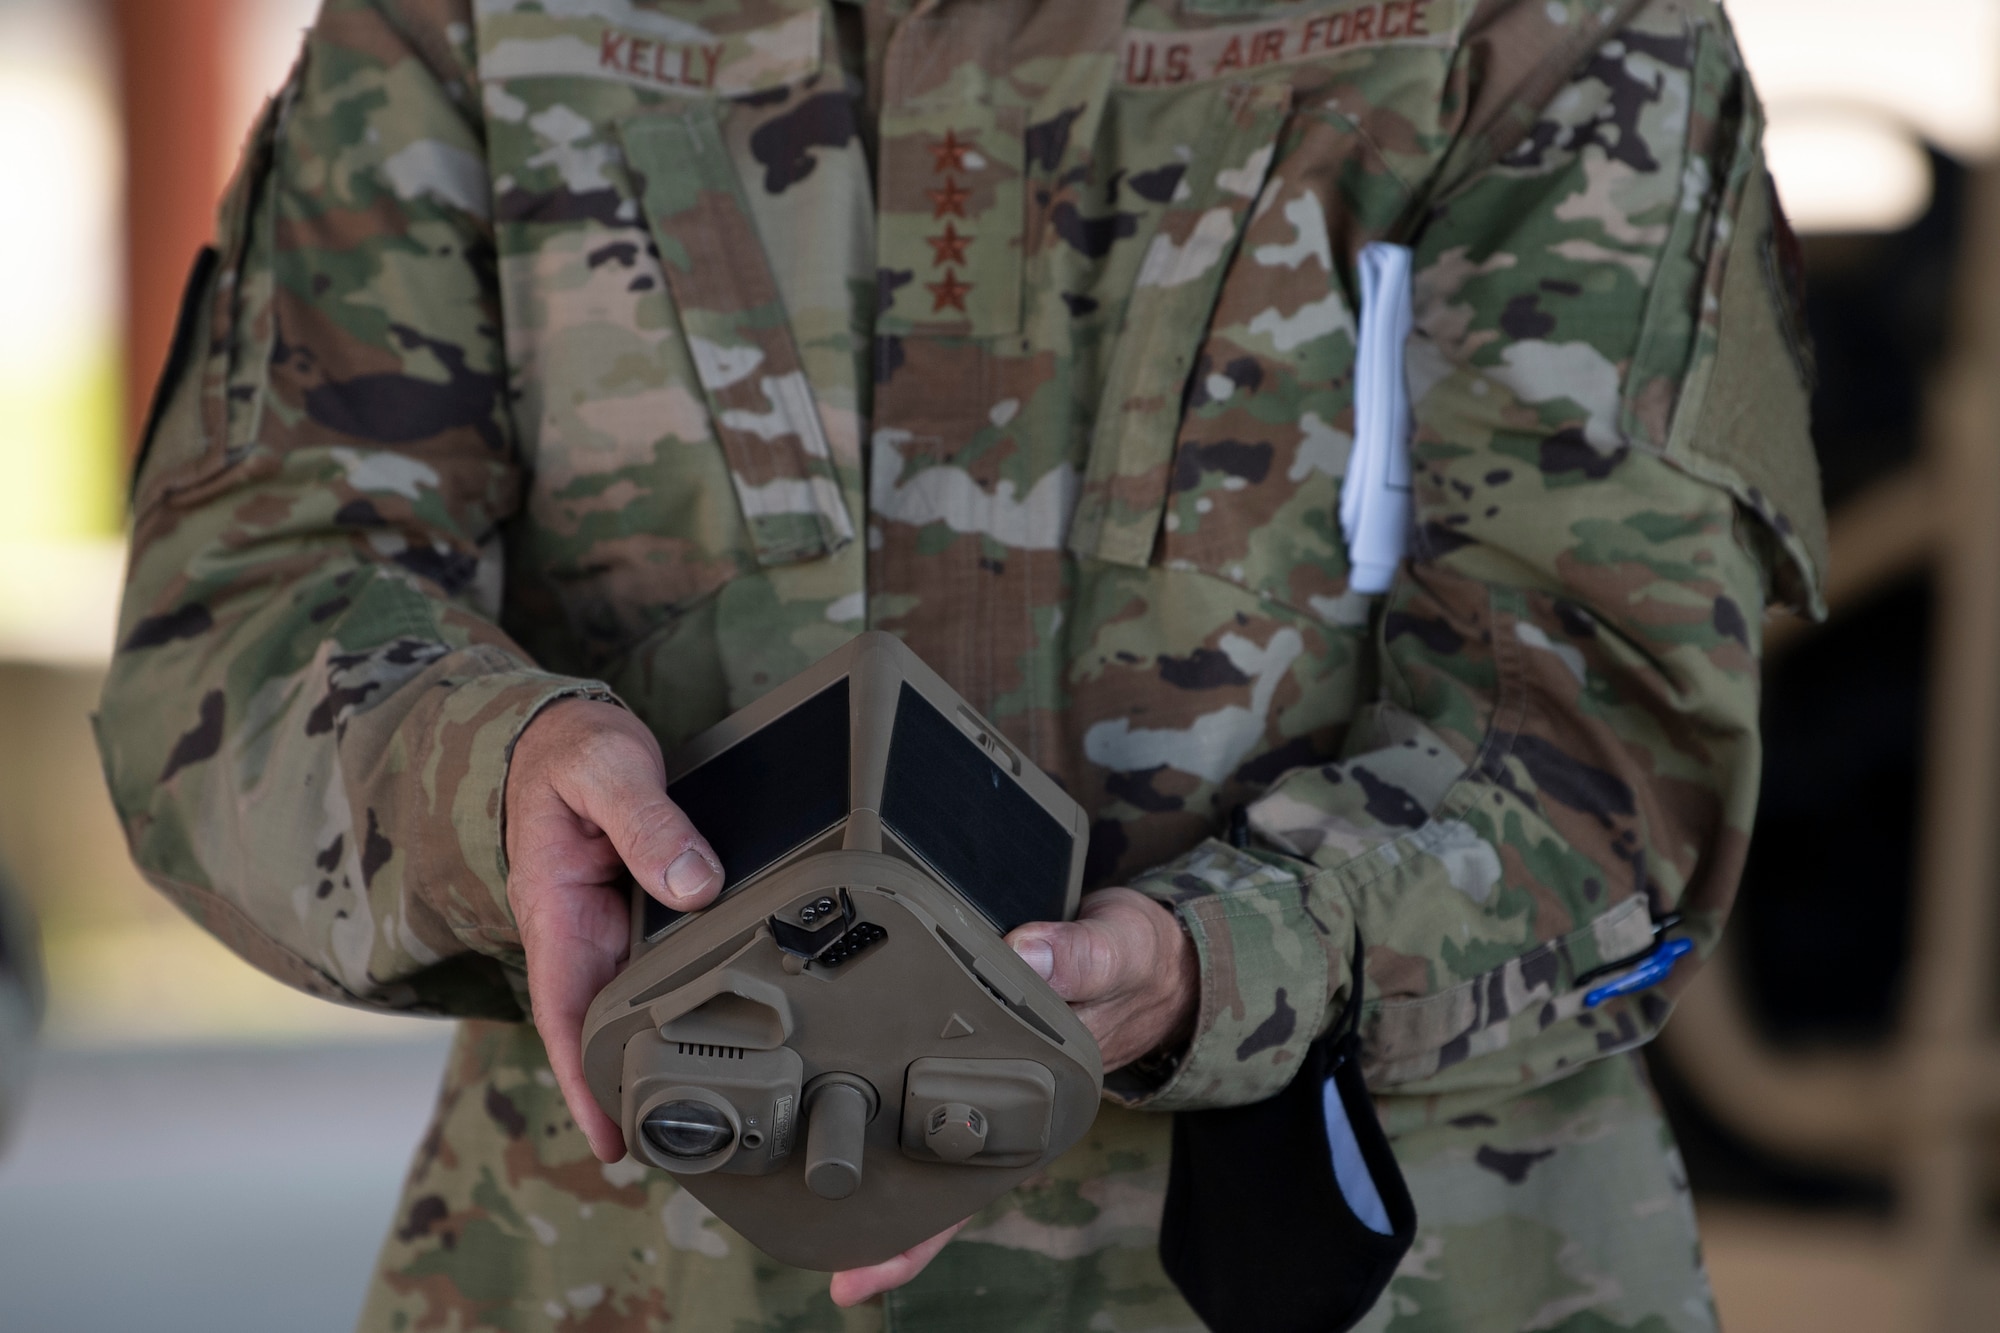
(173, 92)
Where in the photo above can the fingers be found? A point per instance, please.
(617, 783)
(1076, 959)
(559, 1022)
(1101, 953)
(585, 792)
(573, 945)
(1125, 967)
(855, 1285)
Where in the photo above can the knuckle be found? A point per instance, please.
(607, 752)
(659, 829)
(1096, 959)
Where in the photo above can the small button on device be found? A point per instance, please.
(999, 982)
(955, 1131)
(978, 1112)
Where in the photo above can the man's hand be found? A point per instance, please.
(586, 803)
(1126, 968)
(1128, 971)
(851, 1286)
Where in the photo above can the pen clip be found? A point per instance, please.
(1651, 971)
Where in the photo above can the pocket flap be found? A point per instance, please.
(734, 319)
(1138, 416)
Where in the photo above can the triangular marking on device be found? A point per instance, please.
(956, 1027)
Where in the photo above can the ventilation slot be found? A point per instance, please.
(711, 1052)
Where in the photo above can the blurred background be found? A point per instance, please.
(202, 1149)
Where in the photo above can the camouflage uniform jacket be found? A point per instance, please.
(650, 350)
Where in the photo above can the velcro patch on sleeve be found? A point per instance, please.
(1752, 425)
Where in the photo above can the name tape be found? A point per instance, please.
(664, 63)
(1168, 59)
(729, 64)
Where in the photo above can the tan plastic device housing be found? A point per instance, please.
(873, 1102)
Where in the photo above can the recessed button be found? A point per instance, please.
(1002, 985)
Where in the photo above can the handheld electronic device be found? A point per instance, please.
(841, 1056)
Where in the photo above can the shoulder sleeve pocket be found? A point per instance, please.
(1744, 419)
(180, 352)
(1721, 383)
(202, 415)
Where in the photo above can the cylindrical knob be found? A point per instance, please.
(837, 1116)
(955, 1131)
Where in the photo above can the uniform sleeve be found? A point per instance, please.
(308, 718)
(1612, 479)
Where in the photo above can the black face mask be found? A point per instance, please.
(1289, 1215)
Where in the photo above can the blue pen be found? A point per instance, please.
(1651, 971)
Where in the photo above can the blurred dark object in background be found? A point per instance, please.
(21, 998)
(1823, 926)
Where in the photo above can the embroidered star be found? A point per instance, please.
(950, 200)
(949, 294)
(948, 248)
(950, 154)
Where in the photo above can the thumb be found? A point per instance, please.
(618, 788)
(1076, 958)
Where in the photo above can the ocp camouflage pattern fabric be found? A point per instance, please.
(649, 351)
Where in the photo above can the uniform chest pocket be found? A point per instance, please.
(734, 322)
(1225, 425)
(677, 444)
